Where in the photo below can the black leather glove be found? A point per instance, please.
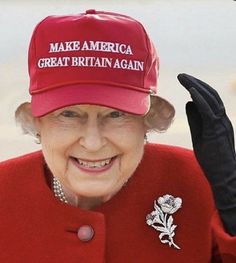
(213, 144)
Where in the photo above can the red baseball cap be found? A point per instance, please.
(95, 57)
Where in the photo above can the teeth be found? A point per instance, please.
(94, 164)
(107, 161)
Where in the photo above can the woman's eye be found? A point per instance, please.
(69, 114)
(116, 114)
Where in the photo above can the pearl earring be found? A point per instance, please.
(145, 138)
(38, 138)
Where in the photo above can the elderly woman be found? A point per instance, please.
(97, 192)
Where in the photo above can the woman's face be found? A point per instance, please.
(92, 150)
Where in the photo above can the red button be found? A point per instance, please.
(85, 233)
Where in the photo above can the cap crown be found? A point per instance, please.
(92, 48)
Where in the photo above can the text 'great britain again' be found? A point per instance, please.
(90, 61)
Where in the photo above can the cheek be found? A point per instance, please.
(57, 137)
(56, 144)
(131, 131)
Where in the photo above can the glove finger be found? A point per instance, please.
(204, 109)
(204, 84)
(209, 94)
(208, 118)
(212, 91)
(195, 122)
(199, 124)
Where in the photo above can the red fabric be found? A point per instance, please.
(36, 227)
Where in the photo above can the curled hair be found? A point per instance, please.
(24, 119)
(160, 115)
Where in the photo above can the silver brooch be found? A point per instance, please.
(162, 220)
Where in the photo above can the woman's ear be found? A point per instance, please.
(24, 117)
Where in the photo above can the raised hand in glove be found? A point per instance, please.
(213, 144)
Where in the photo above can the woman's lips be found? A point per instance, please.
(93, 166)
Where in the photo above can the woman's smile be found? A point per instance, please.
(94, 166)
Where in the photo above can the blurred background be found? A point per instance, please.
(197, 37)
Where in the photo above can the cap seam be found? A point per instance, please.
(148, 51)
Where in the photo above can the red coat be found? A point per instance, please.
(36, 227)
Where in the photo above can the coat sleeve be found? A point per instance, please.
(224, 244)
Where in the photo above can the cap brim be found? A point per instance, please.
(124, 99)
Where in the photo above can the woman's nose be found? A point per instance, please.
(92, 138)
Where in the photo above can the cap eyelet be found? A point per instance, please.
(90, 11)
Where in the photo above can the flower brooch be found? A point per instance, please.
(162, 220)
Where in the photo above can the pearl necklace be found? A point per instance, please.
(58, 190)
